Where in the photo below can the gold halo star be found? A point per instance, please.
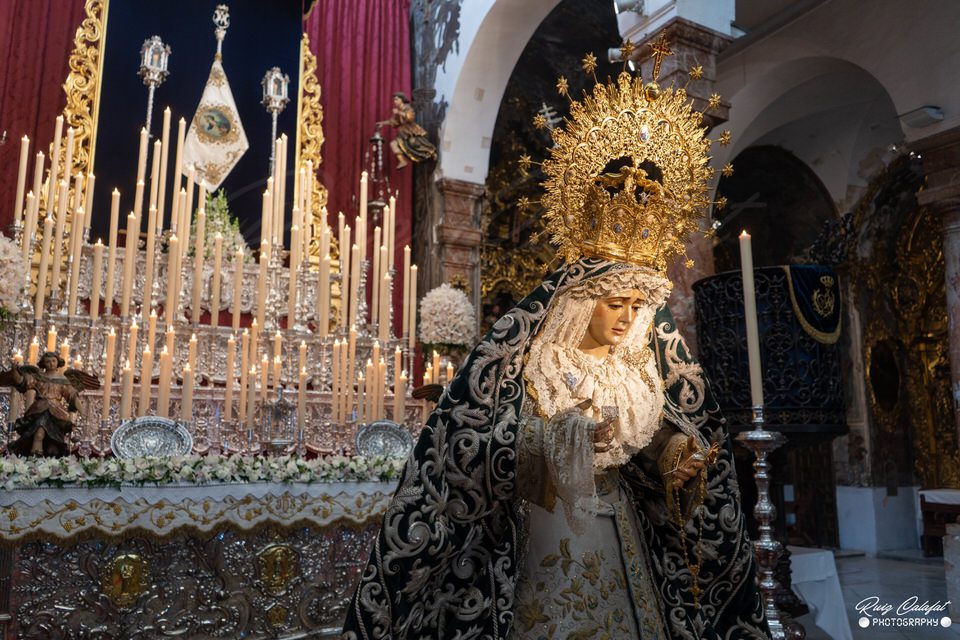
(627, 49)
(727, 170)
(696, 73)
(539, 121)
(721, 203)
(714, 101)
(523, 203)
(562, 86)
(525, 163)
(724, 138)
(689, 264)
(589, 63)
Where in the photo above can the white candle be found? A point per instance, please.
(186, 403)
(292, 276)
(21, 180)
(385, 288)
(351, 364)
(30, 226)
(42, 272)
(266, 214)
(375, 277)
(196, 309)
(111, 350)
(228, 384)
(68, 157)
(58, 237)
(391, 232)
(88, 202)
(34, 353)
(262, 282)
(173, 266)
(155, 176)
(177, 168)
(405, 319)
(149, 265)
(146, 379)
(215, 286)
(111, 253)
(237, 287)
(76, 245)
(52, 339)
(54, 168)
(412, 336)
(244, 364)
(163, 393)
(132, 342)
(302, 399)
(126, 394)
(323, 297)
(354, 257)
(251, 395)
(335, 382)
(164, 156)
(750, 315)
(96, 280)
(129, 265)
(349, 301)
(362, 226)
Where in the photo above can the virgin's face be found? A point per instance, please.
(397, 102)
(612, 318)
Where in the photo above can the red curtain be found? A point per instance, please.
(363, 58)
(36, 39)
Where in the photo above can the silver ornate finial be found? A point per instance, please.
(221, 18)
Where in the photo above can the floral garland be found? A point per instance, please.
(28, 473)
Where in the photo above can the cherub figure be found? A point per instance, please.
(47, 423)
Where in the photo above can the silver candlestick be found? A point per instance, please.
(767, 549)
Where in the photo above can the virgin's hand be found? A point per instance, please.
(690, 464)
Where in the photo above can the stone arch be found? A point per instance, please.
(832, 114)
(494, 34)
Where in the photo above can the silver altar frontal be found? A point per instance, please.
(252, 560)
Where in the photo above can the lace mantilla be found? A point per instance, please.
(561, 376)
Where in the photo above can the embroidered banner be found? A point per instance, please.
(216, 140)
(815, 295)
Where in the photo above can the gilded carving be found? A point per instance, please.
(310, 137)
(125, 579)
(83, 84)
(277, 566)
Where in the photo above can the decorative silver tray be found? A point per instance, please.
(384, 438)
(151, 436)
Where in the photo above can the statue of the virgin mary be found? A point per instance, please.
(576, 479)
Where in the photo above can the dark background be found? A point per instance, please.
(261, 35)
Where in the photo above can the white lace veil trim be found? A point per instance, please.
(562, 376)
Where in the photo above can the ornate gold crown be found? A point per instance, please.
(627, 175)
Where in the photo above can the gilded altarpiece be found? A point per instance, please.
(896, 271)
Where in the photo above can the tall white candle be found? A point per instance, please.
(146, 379)
(375, 278)
(750, 315)
(126, 394)
(88, 202)
(42, 271)
(111, 352)
(228, 384)
(215, 286)
(96, 280)
(405, 318)
(21, 180)
(196, 309)
(54, 179)
(412, 336)
(164, 156)
(186, 403)
(323, 297)
(237, 288)
(112, 253)
(129, 265)
(58, 237)
(354, 282)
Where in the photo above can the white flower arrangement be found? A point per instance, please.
(219, 219)
(447, 318)
(27, 473)
(13, 274)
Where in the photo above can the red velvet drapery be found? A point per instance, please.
(363, 58)
(36, 38)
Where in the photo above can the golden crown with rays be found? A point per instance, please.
(627, 175)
